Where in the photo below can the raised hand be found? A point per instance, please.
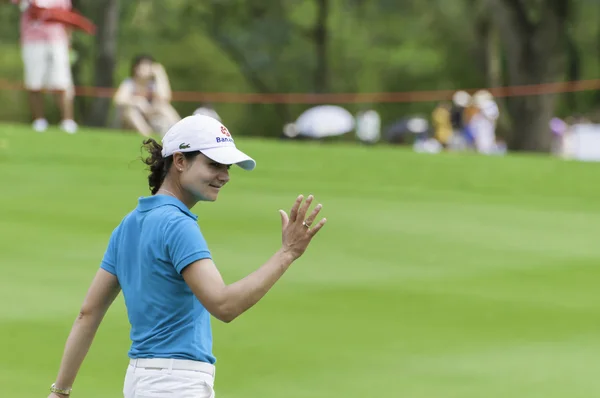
(297, 230)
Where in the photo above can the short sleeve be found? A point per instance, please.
(185, 243)
(109, 261)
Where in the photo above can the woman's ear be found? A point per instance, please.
(179, 161)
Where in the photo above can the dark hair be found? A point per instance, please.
(138, 59)
(158, 165)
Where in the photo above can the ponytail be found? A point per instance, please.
(158, 166)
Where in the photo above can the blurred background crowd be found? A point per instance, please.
(463, 75)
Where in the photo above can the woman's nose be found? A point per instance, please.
(224, 175)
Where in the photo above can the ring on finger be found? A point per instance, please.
(305, 224)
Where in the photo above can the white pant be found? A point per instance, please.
(169, 378)
(47, 65)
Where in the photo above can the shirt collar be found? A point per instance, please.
(152, 202)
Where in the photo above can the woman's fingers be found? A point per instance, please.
(313, 231)
(313, 215)
(304, 208)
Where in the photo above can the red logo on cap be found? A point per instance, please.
(225, 131)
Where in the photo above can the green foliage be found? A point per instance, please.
(242, 46)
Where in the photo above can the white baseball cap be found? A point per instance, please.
(207, 135)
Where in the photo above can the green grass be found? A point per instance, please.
(437, 276)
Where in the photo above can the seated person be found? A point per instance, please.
(143, 100)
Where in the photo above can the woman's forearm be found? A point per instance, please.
(77, 345)
(245, 293)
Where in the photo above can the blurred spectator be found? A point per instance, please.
(558, 126)
(468, 126)
(460, 100)
(407, 131)
(207, 109)
(560, 131)
(45, 53)
(368, 126)
(458, 140)
(442, 123)
(144, 99)
(483, 122)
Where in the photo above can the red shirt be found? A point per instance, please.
(36, 31)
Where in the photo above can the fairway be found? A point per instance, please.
(436, 276)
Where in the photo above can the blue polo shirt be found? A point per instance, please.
(147, 252)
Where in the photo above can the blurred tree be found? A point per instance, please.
(81, 49)
(106, 14)
(533, 34)
(321, 45)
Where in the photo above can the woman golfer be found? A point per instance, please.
(158, 257)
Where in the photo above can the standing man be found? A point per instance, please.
(45, 53)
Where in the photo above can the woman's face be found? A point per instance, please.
(144, 70)
(203, 178)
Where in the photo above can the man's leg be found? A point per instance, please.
(64, 99)
(62, 81)
(35, 62)
(36, 104)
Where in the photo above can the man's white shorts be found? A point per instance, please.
(169, 378)
(47, 65)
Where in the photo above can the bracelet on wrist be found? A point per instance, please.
(63, 391)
